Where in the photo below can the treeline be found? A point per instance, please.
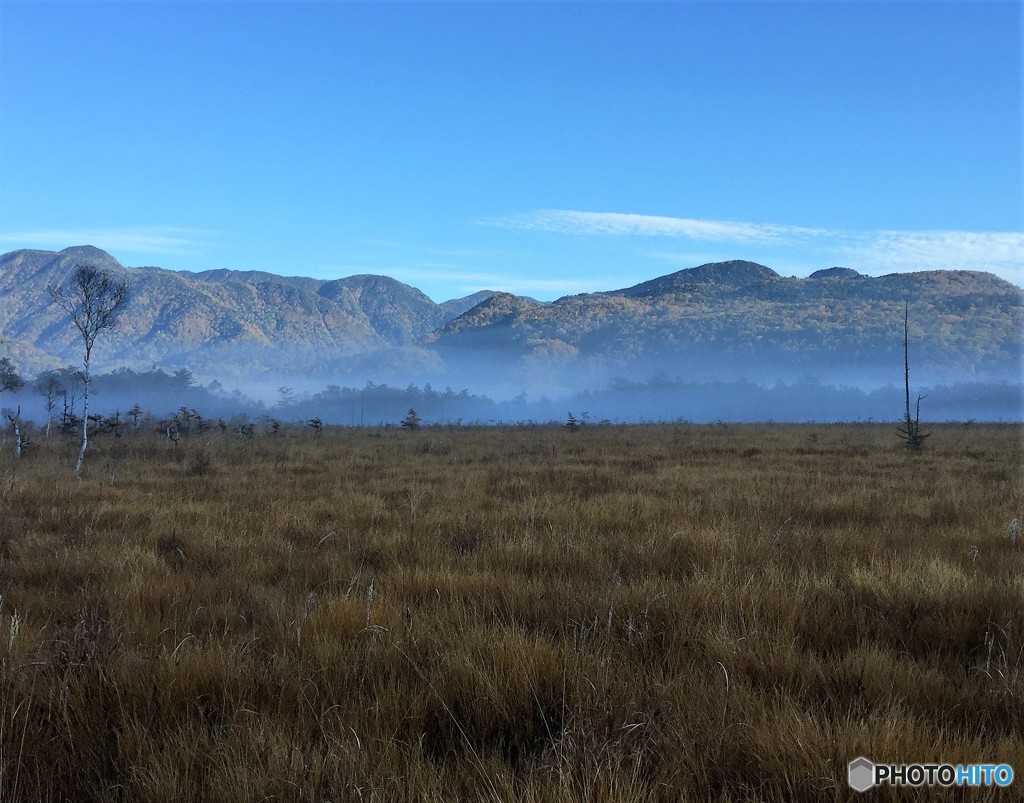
(55, 396)
(380, 405)
(658, 399)
(666, 399)
(130, 400)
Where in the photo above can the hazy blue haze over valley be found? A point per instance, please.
(685, 345)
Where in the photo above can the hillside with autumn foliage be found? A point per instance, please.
(739, 318)
(716, 322)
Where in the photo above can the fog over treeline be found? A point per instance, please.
(157, 396)
(730, 341)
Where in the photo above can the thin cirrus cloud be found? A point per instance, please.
(568, 221)
(1001, 252)
(134, 239)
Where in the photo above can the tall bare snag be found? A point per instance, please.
(911, 434)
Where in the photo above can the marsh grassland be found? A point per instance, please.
(632, 613)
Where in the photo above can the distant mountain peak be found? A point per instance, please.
(76, 255)
(90, 252)
(731, 270)
(734, 273)
(505, 302)
(835, 273)
(497, 308)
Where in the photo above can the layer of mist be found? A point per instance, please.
(156, 398)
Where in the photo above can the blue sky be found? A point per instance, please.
(541, 148)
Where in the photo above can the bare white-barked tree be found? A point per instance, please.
(94, 298)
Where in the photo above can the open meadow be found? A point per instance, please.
(621, 613)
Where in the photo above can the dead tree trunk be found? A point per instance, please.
(910, 432)
(15, 420)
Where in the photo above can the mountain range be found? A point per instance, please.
(218, 320)
(714, 321)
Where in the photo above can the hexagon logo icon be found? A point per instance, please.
(861, 774)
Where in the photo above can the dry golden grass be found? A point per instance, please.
(618, 614)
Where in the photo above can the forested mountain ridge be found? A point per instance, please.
(215, 320)
(716, 321)
(725, 316)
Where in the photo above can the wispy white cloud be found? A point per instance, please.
(134, 239)
(567, 221)
(1000, 252)
(874, 252)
